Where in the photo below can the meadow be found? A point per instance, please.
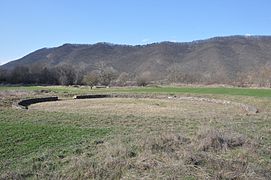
(132, 138)
(256, 92)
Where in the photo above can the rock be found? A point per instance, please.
(250, 109)
(98, 142)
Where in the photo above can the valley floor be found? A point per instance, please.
(132, 138)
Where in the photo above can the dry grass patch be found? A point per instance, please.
(143, 107)
(214, 140)
(166, 156)
(154, 139)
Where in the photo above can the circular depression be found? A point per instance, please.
(138, 107)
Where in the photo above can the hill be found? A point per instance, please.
(221, 58)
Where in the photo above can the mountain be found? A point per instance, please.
(219, 56)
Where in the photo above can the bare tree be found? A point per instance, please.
(79, 75)
(21, 74)
(66, 74)
(3, 76)
(143, 79)
(264, 76)
(174, 73)
(107, 75)
(241, 79)
(123, 78)
(91, 79)
(48, 76)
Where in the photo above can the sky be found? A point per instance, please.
(28, 25)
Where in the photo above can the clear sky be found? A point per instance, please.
(28, 25)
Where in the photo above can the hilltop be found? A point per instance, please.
(221, 58)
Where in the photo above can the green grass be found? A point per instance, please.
(36, 144)
(25, 135)
(160, 90)
(206, 90)
(19, 140)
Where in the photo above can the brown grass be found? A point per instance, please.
(214, 140)
(160, 139)
(164, 156)
(143, 107)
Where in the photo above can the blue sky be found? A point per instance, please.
(28, 25)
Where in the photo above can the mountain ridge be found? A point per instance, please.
(218, 56)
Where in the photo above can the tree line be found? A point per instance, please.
(106, 75)
(259, 76)
(64, 75)
(68, 75)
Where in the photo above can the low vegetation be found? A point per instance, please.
(133, 138)
(253, 92)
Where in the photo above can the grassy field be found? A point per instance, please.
(133, 138)
(161, 90)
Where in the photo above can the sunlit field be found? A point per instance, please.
(147, 133)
